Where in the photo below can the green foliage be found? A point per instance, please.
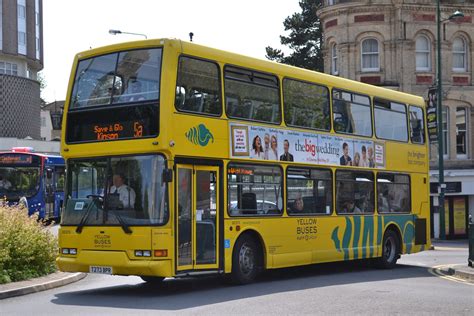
(305, 38)
(27, 249)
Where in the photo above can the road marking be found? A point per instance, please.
(450, 248)
(436, 271)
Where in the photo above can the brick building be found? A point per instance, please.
(21, 58)
(392, 43)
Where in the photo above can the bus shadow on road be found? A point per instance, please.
(180, 294)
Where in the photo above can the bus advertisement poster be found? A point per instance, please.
(431, 115)
(262, 143)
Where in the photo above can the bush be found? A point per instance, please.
(27, 249)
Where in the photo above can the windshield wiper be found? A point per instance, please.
(124, 225)
(95, 199)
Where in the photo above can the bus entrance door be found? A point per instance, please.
(49, 194)
(197, 225)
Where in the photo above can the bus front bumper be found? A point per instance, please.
(117, 260)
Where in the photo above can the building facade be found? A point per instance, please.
(51, 117)
(392, 43)
(21, 58)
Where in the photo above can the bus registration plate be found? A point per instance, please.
(100, 270)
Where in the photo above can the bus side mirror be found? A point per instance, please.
(49, 173)
(167, 175)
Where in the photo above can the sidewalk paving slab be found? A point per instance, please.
(47, 282)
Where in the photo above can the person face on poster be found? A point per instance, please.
(364, 162)
(257, 148)
(370, 153)
(274, 146)
(356, 161)
(266, 140)
(345, 160)
(286, 151)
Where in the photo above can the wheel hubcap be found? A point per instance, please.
(389, 249)
(246, 259)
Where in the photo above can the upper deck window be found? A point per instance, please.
(306, 105)
(123, 77)
(252, 95)
(390, 120)
(351, 113)
(198, 87)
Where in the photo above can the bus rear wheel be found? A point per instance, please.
(390, 250)
(245, 260)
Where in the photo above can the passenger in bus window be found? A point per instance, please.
(383, 202)
(257, 150)
(126, 195)
(350, 207)
(4, 183)
(286, 155)
(298, 204)
(364, 161)
(346, 160)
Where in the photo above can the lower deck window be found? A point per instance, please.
(254, 190)
(393, 193)
(354, 192)
(309, 191)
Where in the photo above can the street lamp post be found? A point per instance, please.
(115, 32)
(439, 86)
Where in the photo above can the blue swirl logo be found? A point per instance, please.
(199, 135)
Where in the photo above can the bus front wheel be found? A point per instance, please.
(245, 260)
(390, 250)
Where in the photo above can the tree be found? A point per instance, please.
(305, 38)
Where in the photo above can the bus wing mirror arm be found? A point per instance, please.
(167, 175)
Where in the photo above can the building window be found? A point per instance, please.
(445, 120)
(370, 55)
(423, 54)
(21, 12)
(461, 133)
(43, 122)
(21, 38)
(37, 29)
(459, 55)
(334, 68)
(21, 26)
(8, 68)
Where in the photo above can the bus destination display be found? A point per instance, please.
(17, 159)
(107, 124)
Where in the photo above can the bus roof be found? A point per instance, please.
(226, 57)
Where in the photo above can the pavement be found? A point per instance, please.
(462, 271)
(58, 279)
(50, 281)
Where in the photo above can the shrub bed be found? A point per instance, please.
(27, 249)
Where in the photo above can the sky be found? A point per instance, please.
(69, 27)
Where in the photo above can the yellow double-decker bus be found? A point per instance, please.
(183, 159)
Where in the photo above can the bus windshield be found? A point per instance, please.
(124, 190)
(123, 77)
(16, 182)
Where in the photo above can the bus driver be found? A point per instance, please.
(125, 194)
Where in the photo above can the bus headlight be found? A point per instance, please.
(142, 253)
(69, 251)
